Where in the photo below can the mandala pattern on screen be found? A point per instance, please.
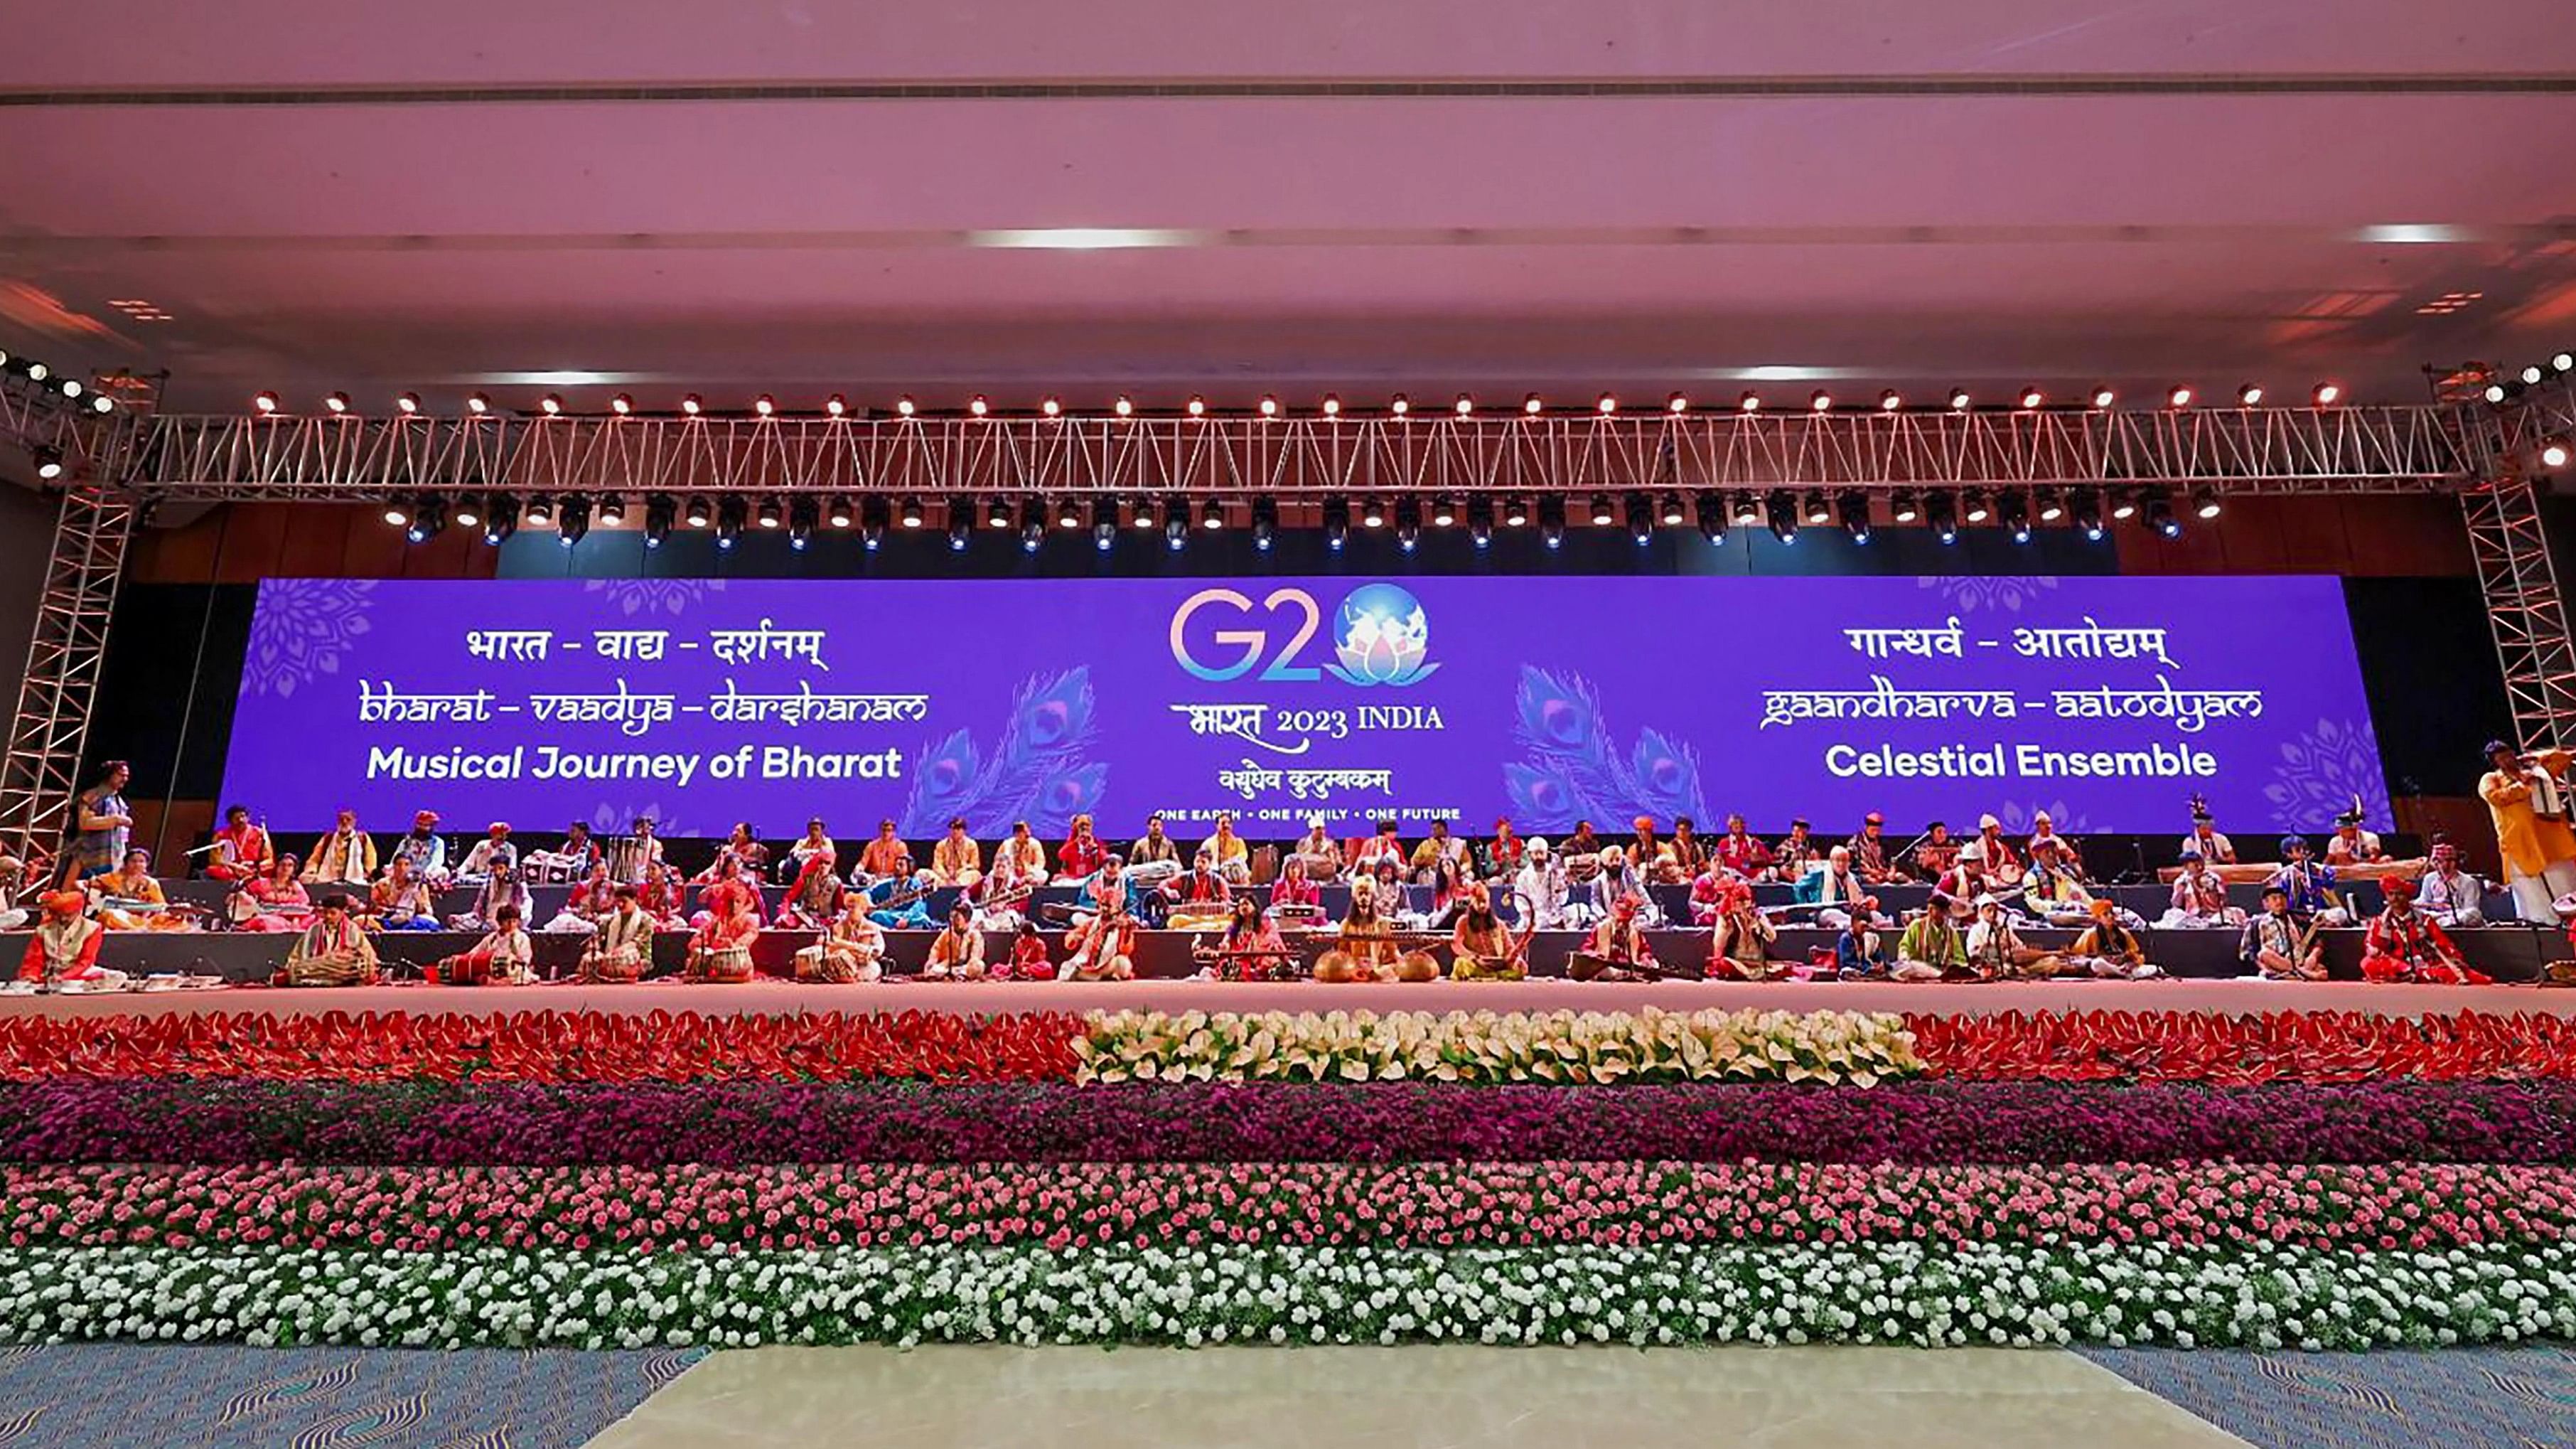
(301, 631)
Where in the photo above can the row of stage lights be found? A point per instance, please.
(48, 458)
(1959, 400)
(2553, 452)
(1713, 512)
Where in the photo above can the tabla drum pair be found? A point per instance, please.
(815, 963)
(719, 964)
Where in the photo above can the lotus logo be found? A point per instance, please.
(1381, 636)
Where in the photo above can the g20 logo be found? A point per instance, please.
(1380, 636)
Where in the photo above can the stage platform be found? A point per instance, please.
(774, 997)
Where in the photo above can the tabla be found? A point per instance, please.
(718, 963)
(612, 966)
(818, 963)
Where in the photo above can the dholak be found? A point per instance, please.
(1417, 966)
(719, 963)
(468, 970)
(1336, 966)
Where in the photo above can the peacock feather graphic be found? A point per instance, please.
(1036, 771)
(1571, 770)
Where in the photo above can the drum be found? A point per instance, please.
(1336, 966)
(1298, 915)
(1198, 916)
(322, 971)
(1265, 865)
(467, 970)
(728, 964)
(621, 966)
(840, 968)
(1417, 966)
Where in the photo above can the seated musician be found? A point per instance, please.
(1741, 851)
(425, 850)
(1157, 848)
(1869, 858)
(1007, 888)
(491, 855)
(1966, 878)
(1101, 947)
(242, 851)
(1021, 856)
(1740, 938)
(591, 898)
(900, 901)
(1203, 886)
(1796, 854)
(1438, 846)
(2043, 830)
(130, 898)
(573, 861)
(2311, 887)
(1617, 949)
(1028, 960)
(957, 952)
(1581, 854)
(851, 948)
(2199, 900)
(400, 900)
(814, 901)
(638, 854)
(1938, 852)
(1644, 848)
(504, 957)
(1481, 946)
(958, 859)
(2213, 847)
(63, 949)
(884, 856)
(1233, 856)
(1081, 855)
(1679, 860)
(2050, 891)
(741, 854)
(662, 897)
(1003, 905)
(1363, 945)
(1543, 888)
(2454, 898)
(2279, 945)
(1708, 893)
(2109, 948)
(725, 928)
(13, 890)
(1381, 848)
(623, 948)
(1996, 951)
(2351, 844)
(1859, 954)
(1996, 859)
(2404, 945)
(1837, 892)
(277, 901)
(816, 841)
(503, 889)
(1293, 888)
(1450, 894)
(1619, 877)
(1316, 856)
(1502, 853)
(1252, 948)
(345, 856)
(333, 951)
(1933, 947)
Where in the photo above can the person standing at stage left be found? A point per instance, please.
(2525, 796)
(102, 823)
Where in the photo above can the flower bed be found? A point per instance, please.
(1415, 1205)
(2302, 1046)
(1867, 1293)
(1646, 1045)
(655, 1123)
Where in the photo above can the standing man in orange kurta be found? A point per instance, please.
(2524, 794)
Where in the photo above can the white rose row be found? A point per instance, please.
(1868, 1293)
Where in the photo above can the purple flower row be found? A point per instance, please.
(738, 1123)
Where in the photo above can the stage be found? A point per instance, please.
(775, 998)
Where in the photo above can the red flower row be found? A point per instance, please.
(549, 1046)
(545, 1046)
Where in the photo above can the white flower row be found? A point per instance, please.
(1866, 1293)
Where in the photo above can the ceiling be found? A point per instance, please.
(1341, 195)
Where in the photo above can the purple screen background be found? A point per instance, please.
(1595, 697)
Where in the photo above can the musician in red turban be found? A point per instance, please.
(2403, 944)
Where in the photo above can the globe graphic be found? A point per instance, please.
(1381, 635)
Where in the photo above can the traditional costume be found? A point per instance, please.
(1933, 947)
(506, 956)
(1102, 948)
(2451, 896)
(492, 855)
(957, 860)
(1617, 949)
(814, 902)
(274, 902)
(1481, 947)
(402, 903)
(1543, 885)
(333, 951)
(424, 850)
(241, 852)
(2109, 948)
(2526, 800)
(720, 947)
(2199, 899)
(64, 947)
(1028, 956)
(590, 899)
(1740, 939)
(1740, 852)
(957, 953)
(1233, 858)
(2403, 944)
(623, 948)
(851, 949)
(2278, 945)
(498, 891)
(2310, 887)
(1996, 950)
(1082, 855)
(346, 856)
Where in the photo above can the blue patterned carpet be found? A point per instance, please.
(2513, 1398)
(165, 1396)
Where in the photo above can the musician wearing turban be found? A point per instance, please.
(1617, 948)
(2109, 948)
(2403, 944)
(2310, 886)
(1482, 944)
(2525, 795)
(64, 946)
(2450, 895)
(1740, 938)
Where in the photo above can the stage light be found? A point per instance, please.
(1783, 515)
(1820, 401)
(2049, 505)
(1641, 519)
(1400, 405)
(1144, 516)
(1480, 521)
(336, 403)
(2248, 394)
(71, 387)
(1818, 512)
(1601, 514)
(2327, 394)
(1516, 513)
(1855, 510)
(764, 405)
(1332, 406)
(1337, 523)
(2204, 503)
(1408, 523)
(468, 513)
(1530, 405)
(698, 514)
(1372, 513)
(800, 522)
(1551, 521)
(2013, 512)
(1972, 505)
(263, 402)
(1068, 512)
(1176, 524)
(572, 520)
(397, 513)
(1670, 513)
(541, 510)
(551, 405)
(1889, 401)
(1959, 399)
(977, 406)
(1902, 507)
(835, 406)
(768, 514)
(102, 404)
(37, 371)
(1750, 402)
(2088, 513)
(1444, 511)
(2494, 393)
(997, 512)
(1709, 508)
(2532, 375)
(1940, 513)
(2103, 397)
(1605, 404)
(1212, 515)
(837, 513)
(477, 404)
(2030, 399)
(872, 523)
(1269, 406)
(658, 511)
(1197, 406)
(961, 523)
(2564, 362)
(2178, 396)
(1033, 521)
(49, 461)
(428, 519)
(1677, 404)
(623, 405)
(909, 514)
(903, 406)
(2554, 453)
(1124, 407)
(2160, 516)
(1748, 510)
(2124, 503)
(1466, 405)
(1265, 523)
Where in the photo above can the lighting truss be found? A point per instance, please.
(2525, 611)
(50, 729)
(2241, 450)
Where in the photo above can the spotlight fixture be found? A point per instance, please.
(837, 513)
(49, 461)
(428, 519)
(408, 404)
(1444, 511)
(2249, 394)
(1818, 512)
(551, 405)
(2178, 396)
(336, 404)
(261, 402)
(1530, 405)
(1959, 399)
(1033, 521)
(623, 405)
(541, 510)
(2103, 397)
(2031, 398)
(572, 520)
(1940, 513)
(2204, 502)
(1641, 519)
(1144, 519)
(397, 512)
(1269, 406)
(1372, 513)
(997, 511)
(612, 511)
(1783, 515)
(2532, 375)
(1480, 520)
(2496, 392)
(2554, 453)
(1677, 404)
(1902, 507)
(1551, 521)
(764, 405)
(1710, 510)
(1599, 513)
(800, 522)
(691, 405)
(769, 514)
(2563, 362)
(469, 513)
(872, 523)
(1820, 401)
(2048, 504)
(1068, 512)
(659, 509)
(1669, 513)
(2124, 504)
(1337, 523)
(1855, 510)
(477, 404)
(1176, 524)
(1466, 405)
(1606, 404)
(904, 406)
(1747, 510)
(1265, 523)
(976, 406)
(961, 523)
(909, 514)
(71, 387)
(1750, 402)
(835, 406)
(1408, 523)
(1972, 505)
(1889, 401)
(2088, 513)
(2160, 516)
(1516, 513)
(2327, 394)
(102, 404)
(698, 514)
(1051, 408)
(2013, 512)
(1332, 406)
(1212, 515)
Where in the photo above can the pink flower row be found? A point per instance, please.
(1185, 1204)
